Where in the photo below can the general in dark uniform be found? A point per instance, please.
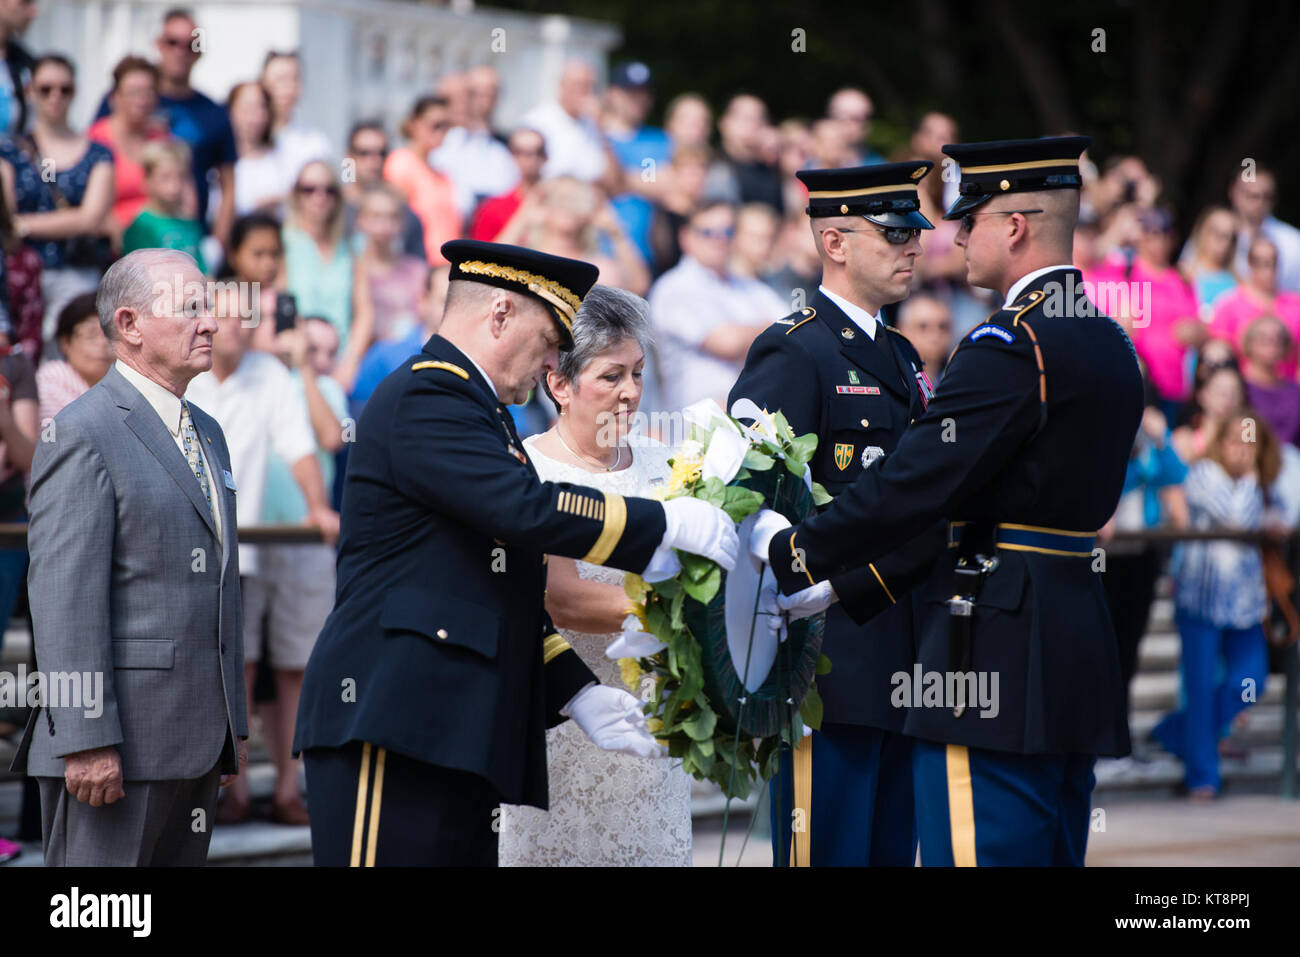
(430, 689)
(1023, 450)
(836, 371)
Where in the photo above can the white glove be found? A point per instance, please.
(614, 721)
(811, 601)
(635, 642)
(693, 525)
(769, 605)
(765, 528)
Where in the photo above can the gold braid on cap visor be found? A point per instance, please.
(562, 298)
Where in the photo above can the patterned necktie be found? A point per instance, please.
(190, 438)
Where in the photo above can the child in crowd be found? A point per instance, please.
(162, 222)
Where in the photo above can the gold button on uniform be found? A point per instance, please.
(442, 632)
(865, 423)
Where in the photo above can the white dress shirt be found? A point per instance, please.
(861, 318)
(491, 385)
(168, 407)
(258, 408)
(687, 303)
(1019, 285)
(478, 165)
(574, 147)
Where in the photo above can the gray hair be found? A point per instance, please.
(130, 283)
(606, 317)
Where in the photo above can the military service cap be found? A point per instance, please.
(558, 282)
(884, 193)
(1014, 166)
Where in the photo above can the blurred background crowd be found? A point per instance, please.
(333, 250)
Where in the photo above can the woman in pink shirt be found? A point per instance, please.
(125, 131)
(1258, 296)
(88, 355)
(428, 192)
(1168, 328)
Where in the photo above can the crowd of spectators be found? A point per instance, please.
(704, 217)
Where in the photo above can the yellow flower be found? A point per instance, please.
(630, 671)
(653, 725)
(635, 587)
(685, 471)
(638, 609)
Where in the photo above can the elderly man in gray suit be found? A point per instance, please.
(135, 577)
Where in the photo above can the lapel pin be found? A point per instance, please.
(846, 332)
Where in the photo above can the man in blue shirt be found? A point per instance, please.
(627, 103)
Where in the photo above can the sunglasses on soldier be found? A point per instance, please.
(894, 235)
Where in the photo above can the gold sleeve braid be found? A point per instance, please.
(607, 508)
(552, 646)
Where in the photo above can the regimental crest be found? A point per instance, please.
(843, 455)
(853, 377)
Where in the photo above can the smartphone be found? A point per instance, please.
(286, 311)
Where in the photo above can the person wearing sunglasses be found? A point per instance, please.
(1023, 449)
(836, 371)
(197, 119)
(202, 123)
(365, 155)
(320, 266)
(62, 216)
(705, 316)
(431, 193)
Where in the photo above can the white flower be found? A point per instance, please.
(726, 453)
(691, 449)
(633, 643)
(764, 427)
(708, 415)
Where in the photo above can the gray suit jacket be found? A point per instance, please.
(128, 580)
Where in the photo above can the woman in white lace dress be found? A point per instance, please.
(606, 809)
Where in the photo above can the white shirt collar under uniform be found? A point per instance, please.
(166, 404)
(861, 318)
(1020, 284)
(486, 378)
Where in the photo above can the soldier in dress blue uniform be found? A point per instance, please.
(835, 370)
(428, 694)
(1023, 450)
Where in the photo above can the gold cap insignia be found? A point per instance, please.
(844, 207)
(563, 299)
(1004, 185)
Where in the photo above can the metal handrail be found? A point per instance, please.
(14, 535)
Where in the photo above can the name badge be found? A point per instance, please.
(229, 479)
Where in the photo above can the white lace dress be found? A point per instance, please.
(607, 809)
